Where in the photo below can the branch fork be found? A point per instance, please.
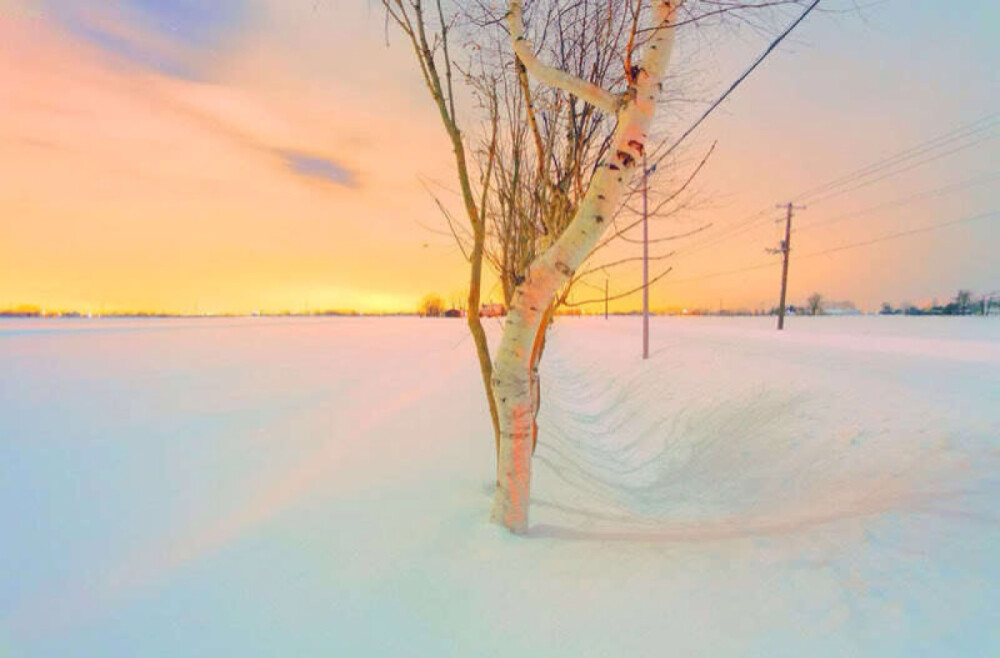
(588, 92)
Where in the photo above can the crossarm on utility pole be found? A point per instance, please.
(588, 92)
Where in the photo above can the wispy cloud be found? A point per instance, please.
(117, 172)
(317, 167)
(171, 37)
(196, 23)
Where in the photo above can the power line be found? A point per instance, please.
(716, 275)
(736, 230)
(941, 191)
(964, 131)
(961, 132)
(736, 83)
(830, 189)
(903, 234)
(896, 172)
(884, 238)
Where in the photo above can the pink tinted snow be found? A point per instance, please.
(827, 491)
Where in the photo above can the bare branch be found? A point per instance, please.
(623, 261)
(620, 295)
(676, 193)
(588, 92)
(670, 238)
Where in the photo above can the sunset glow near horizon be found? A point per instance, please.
(261, 155)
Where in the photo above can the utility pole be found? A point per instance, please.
(785, 250)
(646, 171)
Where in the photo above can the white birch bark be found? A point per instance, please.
(512, 376)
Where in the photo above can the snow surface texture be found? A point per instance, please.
(321, 487)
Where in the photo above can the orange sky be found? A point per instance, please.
(125, 185)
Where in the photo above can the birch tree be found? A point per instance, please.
(548, 267)
(544, 143)
(512, 374)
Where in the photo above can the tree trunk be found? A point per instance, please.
(479, 334)
(537, 350)
(512, 372)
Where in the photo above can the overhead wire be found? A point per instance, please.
(940, 191)
(896, 172)
(882, 168)
(903, 234)
(659, 157)
(863, 243)
(963, 131)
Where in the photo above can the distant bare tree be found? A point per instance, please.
(815, 304)
(431, 306)
(963, 302)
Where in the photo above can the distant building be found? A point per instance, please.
(492, 311)
(840, 308)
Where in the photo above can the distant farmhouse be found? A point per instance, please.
(492, 311)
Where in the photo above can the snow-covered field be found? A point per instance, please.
(320, 487)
